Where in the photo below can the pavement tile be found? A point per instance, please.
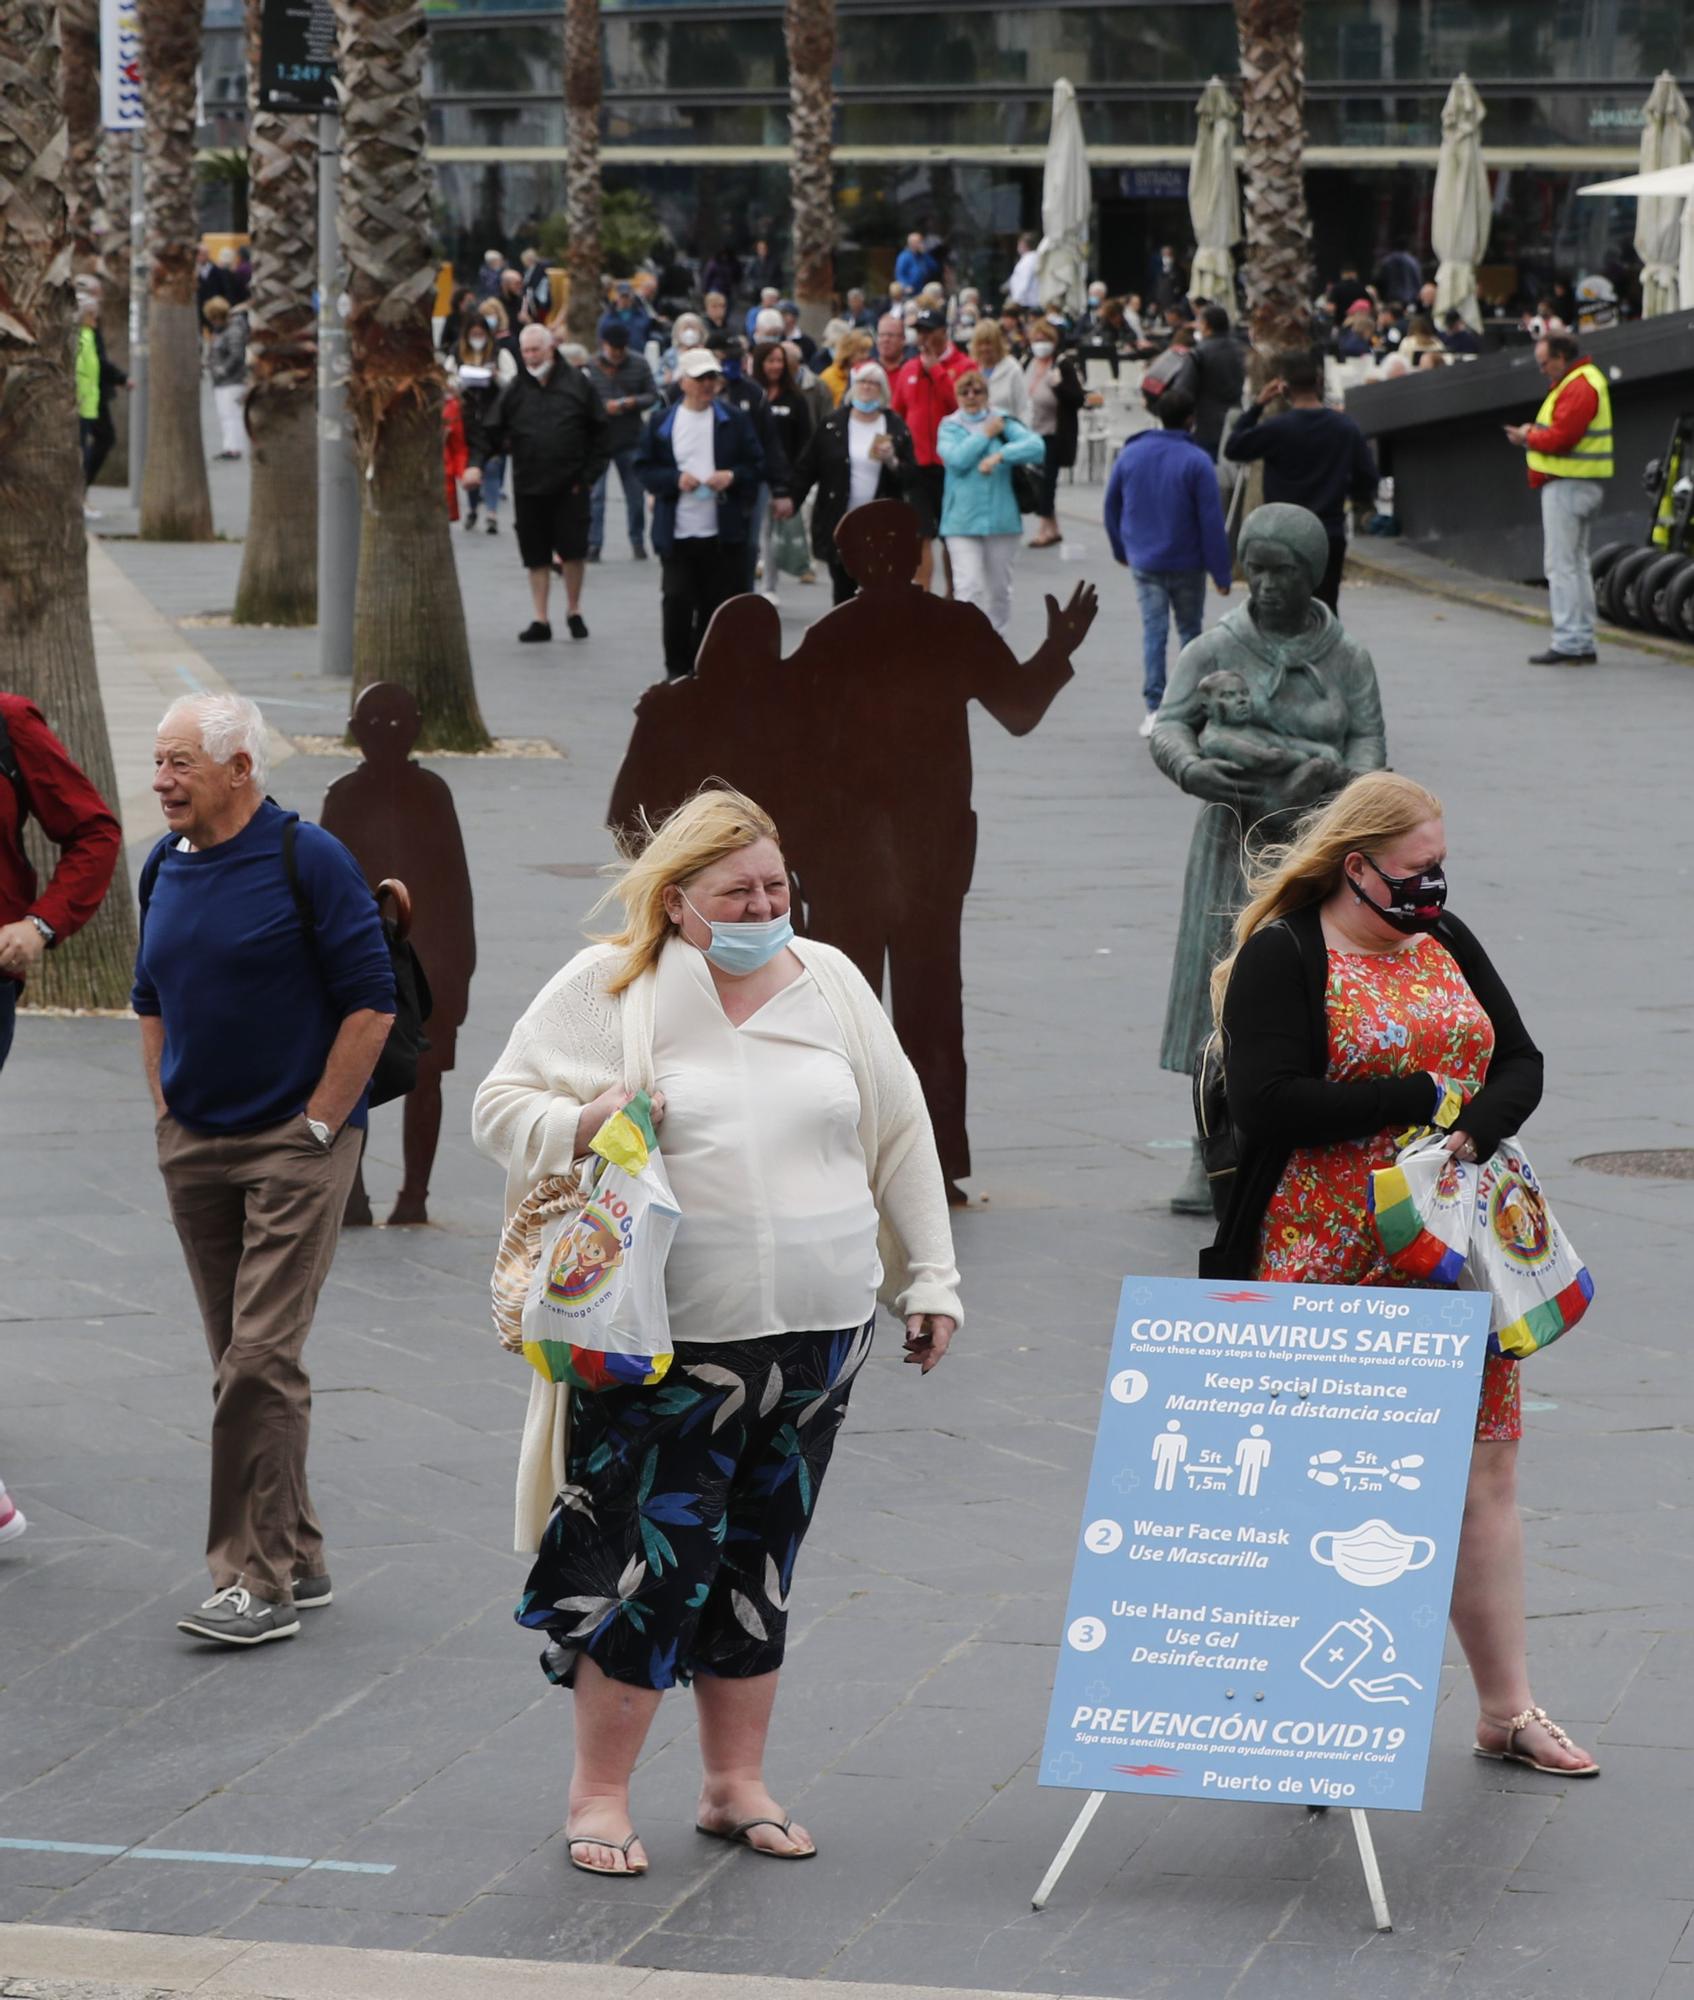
(578, 1927)
(1572, 1936)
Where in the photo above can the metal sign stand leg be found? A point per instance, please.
(1361, 1834)
(1373, 1874)
(1061, 1860)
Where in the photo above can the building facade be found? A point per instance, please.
(943, 112)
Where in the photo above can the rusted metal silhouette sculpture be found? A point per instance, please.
(398, 820)
(858, 745)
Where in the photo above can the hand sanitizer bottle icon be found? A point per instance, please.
(1344, 1647)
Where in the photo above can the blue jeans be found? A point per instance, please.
(1163, 592)
(487, 495)
(9, 991)
(634, 501)
(1568, 507)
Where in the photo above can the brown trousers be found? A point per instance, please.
(258, 1215)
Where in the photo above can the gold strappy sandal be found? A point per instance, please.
(1514, 1724)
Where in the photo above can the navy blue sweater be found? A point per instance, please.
(1316, 458)
(250, 1004)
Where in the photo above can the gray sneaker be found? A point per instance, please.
(235, 1617)
(312, 1592)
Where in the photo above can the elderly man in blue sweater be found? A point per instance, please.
(1164, 519)
(266, 993)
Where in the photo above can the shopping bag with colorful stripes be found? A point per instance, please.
(595, 1314)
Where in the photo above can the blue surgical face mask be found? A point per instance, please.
(869, 404)
(743, 948)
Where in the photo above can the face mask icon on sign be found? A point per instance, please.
(1372, 1553)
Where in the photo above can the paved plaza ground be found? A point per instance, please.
(409, 1730)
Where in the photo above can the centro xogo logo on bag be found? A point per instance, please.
(589, 1252)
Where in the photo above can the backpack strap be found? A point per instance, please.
(297, 888)
(150, 871)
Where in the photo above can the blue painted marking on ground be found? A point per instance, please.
(192, 678)
(293, 1863)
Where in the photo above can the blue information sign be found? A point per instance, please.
(1260, 1593)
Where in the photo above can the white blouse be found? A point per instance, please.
(761, 1141)
(864, 473)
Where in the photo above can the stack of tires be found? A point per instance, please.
(1646, 588)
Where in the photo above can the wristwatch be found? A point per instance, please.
(320, 1131)
(48, 934)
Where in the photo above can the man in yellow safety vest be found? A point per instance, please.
(1569, 449)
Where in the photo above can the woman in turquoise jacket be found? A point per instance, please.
(979, 510)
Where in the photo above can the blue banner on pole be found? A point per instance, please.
(1261, 1583)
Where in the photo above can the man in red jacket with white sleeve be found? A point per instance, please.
(39, 781)
(922, 392)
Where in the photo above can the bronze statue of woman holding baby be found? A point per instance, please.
(1270, 712)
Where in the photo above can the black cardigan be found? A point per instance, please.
(826, 465)
(1276, 1026)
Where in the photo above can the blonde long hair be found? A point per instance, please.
(1379, 807)
(715, 822)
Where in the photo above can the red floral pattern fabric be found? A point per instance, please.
(1390, 1014)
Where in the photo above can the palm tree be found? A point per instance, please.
(583, 65)
(810, 31)
(111, 235)
(176, 502)
(279, 563)
(1278, 264)
(408, 623)
(46, 635)
(79, 80)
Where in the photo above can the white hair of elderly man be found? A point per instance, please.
(227, 723)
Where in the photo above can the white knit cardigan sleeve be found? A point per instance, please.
(915, 1233)
(566, 1048)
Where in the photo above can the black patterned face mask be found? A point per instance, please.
(1415, 902)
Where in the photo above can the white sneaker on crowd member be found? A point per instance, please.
(1147, 722)
(12, 1522)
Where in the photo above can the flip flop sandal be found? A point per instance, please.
(737, 1837)
(1512, 1725)
(599, 1840)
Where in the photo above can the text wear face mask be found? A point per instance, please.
(739, 949)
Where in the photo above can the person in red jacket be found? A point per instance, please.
(922, 392)
(38, 780)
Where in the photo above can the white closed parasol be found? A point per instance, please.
(1214, 198)
(1460, 222)
(1067, 203)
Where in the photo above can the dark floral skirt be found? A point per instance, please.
(671, 1551)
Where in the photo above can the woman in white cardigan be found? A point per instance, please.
(799, 1148)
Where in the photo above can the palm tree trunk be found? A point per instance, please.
(583, 72)
(79, 80)
(176, 502)
(408, 620)
(111, 237)
(46, 635)
(810, 31)
(279, 562)
(1278, 264)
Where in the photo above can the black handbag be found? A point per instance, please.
(1026, 489)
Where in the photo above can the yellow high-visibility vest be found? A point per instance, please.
(1591, 456)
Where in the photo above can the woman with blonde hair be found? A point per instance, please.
(798, 1145)
(1007, 391)
(1356, 1005)
(854, 346)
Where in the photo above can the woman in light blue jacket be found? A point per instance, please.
(979, 511)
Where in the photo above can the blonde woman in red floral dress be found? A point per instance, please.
(1354, 1007)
